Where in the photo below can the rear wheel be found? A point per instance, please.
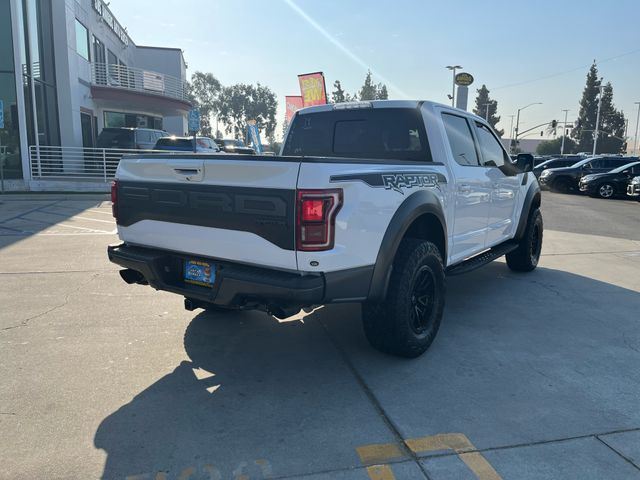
(407, 320)
(526, 257)
(606, 190)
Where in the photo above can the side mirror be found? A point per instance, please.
(524, 162)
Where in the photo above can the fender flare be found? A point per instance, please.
(532, 197)
(417, 204)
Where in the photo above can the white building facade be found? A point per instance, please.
(68, 69)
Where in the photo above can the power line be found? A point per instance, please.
(510, 85)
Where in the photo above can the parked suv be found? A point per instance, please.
(566, 179)
(130, 138)
(610, 184)
(555, 163)
(231, 145)
(185, 144)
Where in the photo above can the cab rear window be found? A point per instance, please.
(376, 133)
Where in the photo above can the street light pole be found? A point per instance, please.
(511, 135)
(635, 138)
(595, 135)
(453, 68)
(518, 119)
(564, 131)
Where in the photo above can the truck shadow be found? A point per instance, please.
(262, 398)
(20, 219)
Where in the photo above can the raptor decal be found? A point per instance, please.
(397, 181)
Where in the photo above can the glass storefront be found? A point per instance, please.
(9, 135)
(38, 69)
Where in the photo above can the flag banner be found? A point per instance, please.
(294, 103)
(312, 89)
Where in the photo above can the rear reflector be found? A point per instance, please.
(114, 200)
(315, 219)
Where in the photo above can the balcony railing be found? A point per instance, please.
(139, 80)
(76, 163)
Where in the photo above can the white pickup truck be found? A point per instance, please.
(370, 202)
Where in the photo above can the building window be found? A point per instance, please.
(82, 40)
(131, 120)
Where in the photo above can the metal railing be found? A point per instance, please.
(137, 79)
(76, 163)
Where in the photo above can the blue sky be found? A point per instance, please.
(533, 51)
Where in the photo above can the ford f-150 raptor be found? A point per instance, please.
(370, 202)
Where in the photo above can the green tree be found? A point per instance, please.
(369, 90)
(552, 147)
(241, 102)
(338, 95)
(585, 124)
(483, 101)
(203, 91)
(382, 94)
(612, 125)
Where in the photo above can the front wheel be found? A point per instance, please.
(407, 320)
(526, 257)
(606, 190)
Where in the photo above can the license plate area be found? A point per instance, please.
(198, 272)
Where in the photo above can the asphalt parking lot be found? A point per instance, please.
(532, 376)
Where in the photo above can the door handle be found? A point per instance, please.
(187, 171)
(464, 188)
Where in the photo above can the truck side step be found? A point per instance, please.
(482, 259)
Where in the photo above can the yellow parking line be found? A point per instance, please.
(443, 441)
(459, 443)
(380, 472)
(379, 453)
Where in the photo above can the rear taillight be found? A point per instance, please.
(114, 200)
(316, 218)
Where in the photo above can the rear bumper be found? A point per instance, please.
(244, 286)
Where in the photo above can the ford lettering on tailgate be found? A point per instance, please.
(264, 211)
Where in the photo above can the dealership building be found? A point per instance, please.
(68, 69)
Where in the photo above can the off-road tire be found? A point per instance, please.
(525, 258)
(394, 325)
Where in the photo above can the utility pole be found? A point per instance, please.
(511, 135)
(453, 91)
(486, 112)
(635, 139)
(595, 136)
(564, 131)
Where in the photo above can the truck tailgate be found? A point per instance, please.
(224, 206)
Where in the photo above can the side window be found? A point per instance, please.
(144, 136)
(598, 163)
(618, 163)
(460, 140)
(493, 155)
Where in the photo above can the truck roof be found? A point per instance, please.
(381, 104)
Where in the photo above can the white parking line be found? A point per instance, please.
(79, 228)
(100, 211)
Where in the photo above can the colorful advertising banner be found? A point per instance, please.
(312, 89)
(294, 103)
